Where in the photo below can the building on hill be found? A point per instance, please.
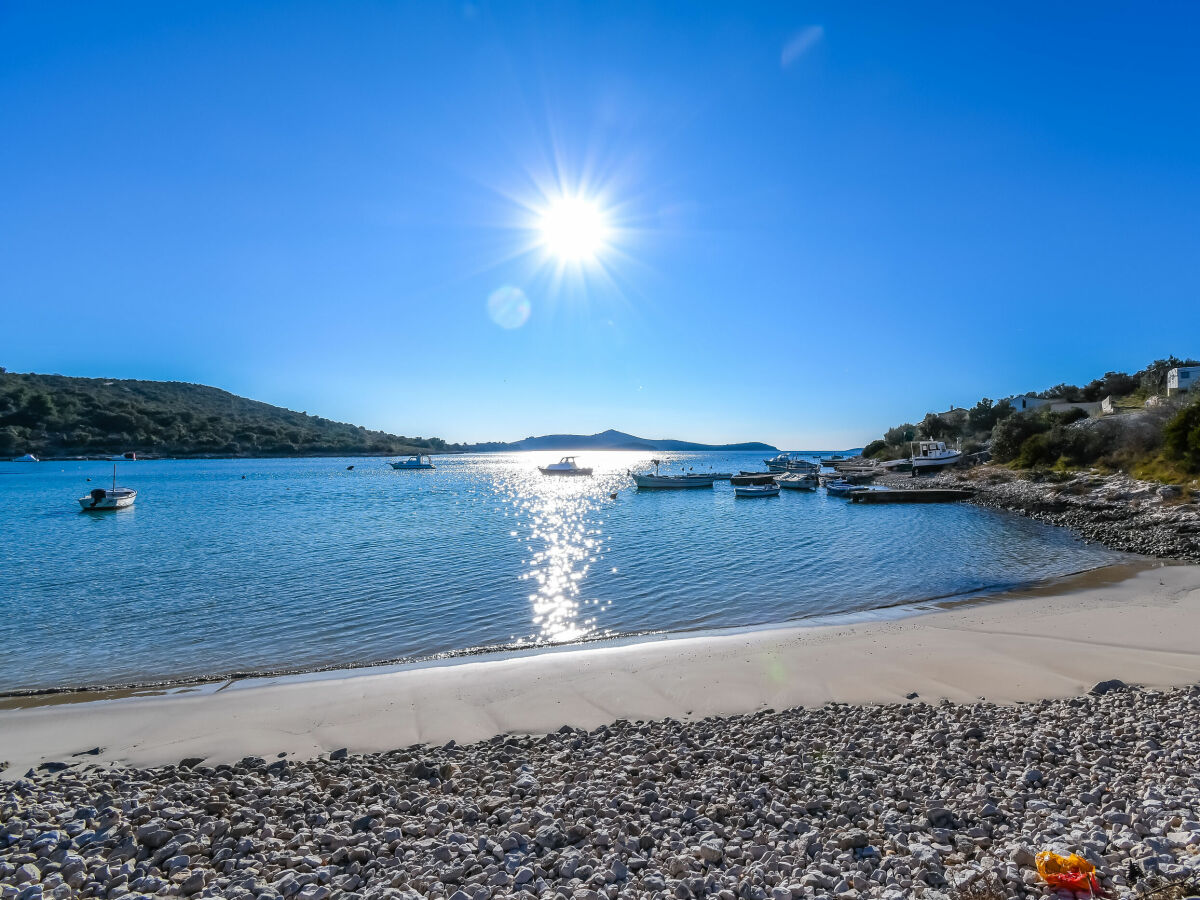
(1182, 379)
(1025, 402)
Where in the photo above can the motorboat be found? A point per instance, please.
(832, 461)
(656, 480)
(103, 499)
(745, 478)
(413, 462)
(794, 481)
(757, 490)
(716, 476)
(930, 455)
(127, 456)
(785, 462)
(28, 457)
(565, 466)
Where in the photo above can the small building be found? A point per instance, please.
(1093, 408)
(1182, 379)
(1025, 402)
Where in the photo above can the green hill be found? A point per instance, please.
(57, 415)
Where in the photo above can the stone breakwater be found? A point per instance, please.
(1115, 510)
(853, 802)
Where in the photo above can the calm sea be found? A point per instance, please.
(239, 565)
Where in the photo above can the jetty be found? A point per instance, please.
(915, 495)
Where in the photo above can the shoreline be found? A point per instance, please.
(20, 698)
(1144, 628)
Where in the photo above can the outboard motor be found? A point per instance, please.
(97, 495)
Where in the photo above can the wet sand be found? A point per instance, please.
(1138, 624)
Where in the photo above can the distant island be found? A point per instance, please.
(609, 440)
(64, 416)
(58, 415)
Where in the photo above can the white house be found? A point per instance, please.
(1026, 402)
(1182, 379)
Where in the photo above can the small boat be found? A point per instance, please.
(832, 461)
(127, 456)
(715, 476)
(841, 488)
(102, 499)
(931, 455)
(794, 481)
(657, 481)
(753, 478)
(565, 466)
(757, 490)
(413, 462)
(28, 457)
(897, 465)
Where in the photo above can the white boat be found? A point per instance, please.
(565, 466)
(785, 462)
(933, 455)
(655, 480)
(413, 462)
(128, 456)
(28, 457)
(794, 481)
(757, 490)
(841, 487)
(102, 499)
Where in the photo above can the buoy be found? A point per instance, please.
(612, 496)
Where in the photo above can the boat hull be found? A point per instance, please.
(939, 462)
(798, 484)
(671, 482)
(749, 478)
(564, 471)
(402, 468)
(121, 501)
(756, 491)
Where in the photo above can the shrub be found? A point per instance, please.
(1009, 435)
(874, 447)
(1181, 437)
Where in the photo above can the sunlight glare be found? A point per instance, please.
(574, 229)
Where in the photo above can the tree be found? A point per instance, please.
(935, 427)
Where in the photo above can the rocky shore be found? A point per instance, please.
(911, 800)
(1116, 510)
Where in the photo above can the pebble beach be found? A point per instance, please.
(889, 801)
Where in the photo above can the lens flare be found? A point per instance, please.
(508, 307)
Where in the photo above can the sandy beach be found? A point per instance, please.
(1137, 623)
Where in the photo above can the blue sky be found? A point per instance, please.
(823, 218)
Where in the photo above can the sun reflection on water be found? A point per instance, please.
(560, 520)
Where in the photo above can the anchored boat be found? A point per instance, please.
(413, 462)
(658, 481)
(794, 481)
(103, 499)
(565, 466)
(757, 490)
(753, 478)
(785, 462)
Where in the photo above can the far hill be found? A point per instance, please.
(610, 440)
(57, 415)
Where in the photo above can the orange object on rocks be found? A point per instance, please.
(1072, 873)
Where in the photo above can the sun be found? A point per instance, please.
(573, 229)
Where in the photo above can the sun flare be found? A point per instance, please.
(573, 229)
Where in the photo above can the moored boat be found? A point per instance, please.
(757, 490)
(794, 481)
(841, 488)
(28, 457)
(413, 462)
(786, 462)
(656, 480)
(104, 499)
(753, 478)
(565, 466)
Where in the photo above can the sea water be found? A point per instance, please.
(268, 564)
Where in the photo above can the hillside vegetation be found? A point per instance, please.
(57, 415)
(1158, 441)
